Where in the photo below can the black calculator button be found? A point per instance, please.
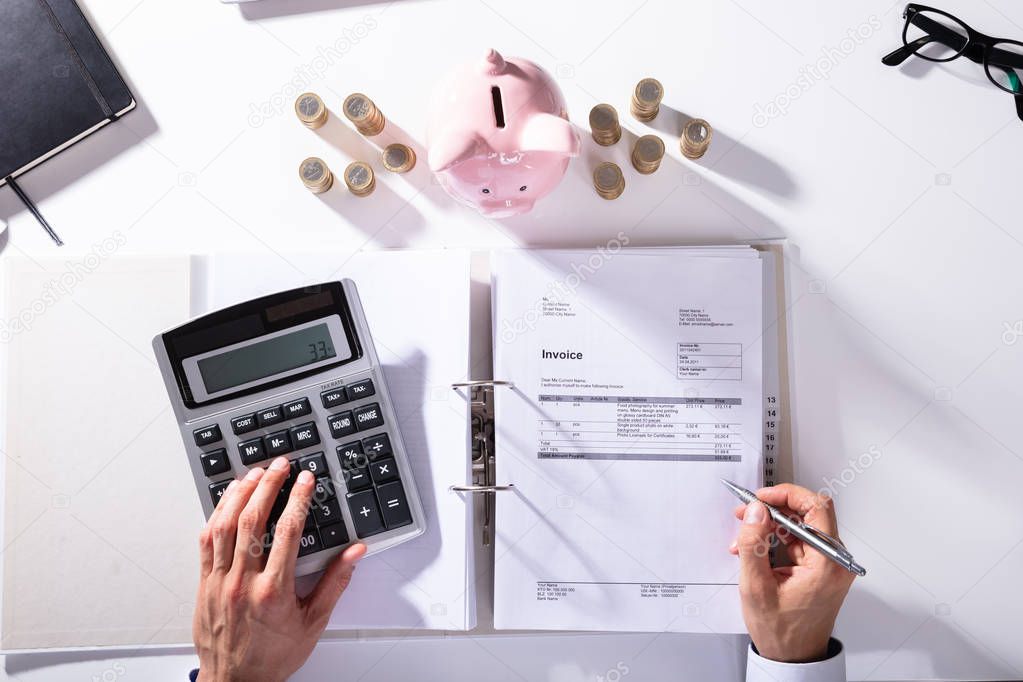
(297, 408)
(327, 512)
(334, 397)
(277, 443)
(333, 535)
(365, 513)
(217, 490)
(360, 389)
(251, 451)
(309, 542)
(383, 470)
(324, 490)
(314, 464)
(215, 462)
(393, 504)
(270, 415)
(350, 455)
(304, 435)
(368, 417)
(341, 424)
(207, 434)
(243, 424)
(357, 478)
(376, 446)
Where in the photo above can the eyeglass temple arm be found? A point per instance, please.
(949, 37)
(896, 57)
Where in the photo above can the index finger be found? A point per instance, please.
(817, 510)
(280, 565)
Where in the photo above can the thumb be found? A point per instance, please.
(334, 582)
(754, 543)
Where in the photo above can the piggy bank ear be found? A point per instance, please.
(452, 149)
(549, 133)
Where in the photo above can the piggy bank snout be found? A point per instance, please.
(506, 208)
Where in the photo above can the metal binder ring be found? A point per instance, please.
(482, 382)
(481, 488)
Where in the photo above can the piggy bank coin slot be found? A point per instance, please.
(495, 94)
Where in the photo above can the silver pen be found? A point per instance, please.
(830, 547)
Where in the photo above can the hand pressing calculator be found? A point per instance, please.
(295, 374)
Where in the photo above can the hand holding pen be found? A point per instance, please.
(790, 611)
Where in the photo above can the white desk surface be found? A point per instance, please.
(897, 187)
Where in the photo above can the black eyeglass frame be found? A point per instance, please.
(978, 47)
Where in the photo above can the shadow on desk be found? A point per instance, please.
(957, 649)
(682, 203)
(267, 9)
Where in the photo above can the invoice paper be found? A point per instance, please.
(637, 387)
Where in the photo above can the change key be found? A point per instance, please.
(368, 417)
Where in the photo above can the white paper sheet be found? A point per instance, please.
(417, 306)
(638, 385)
(100, 510)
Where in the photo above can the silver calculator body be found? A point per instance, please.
(295, 374)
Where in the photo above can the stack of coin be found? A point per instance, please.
(604, 125)
(310, 110)
(359, 178)
(695, 139)
(646, 155)
(646, 100)
(361, 111)
(315, 175)
(399, 158)
(608, 180)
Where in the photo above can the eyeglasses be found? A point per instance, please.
(938, 36)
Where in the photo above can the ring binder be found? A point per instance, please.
(482, 425)
(481, 488)
(482, 383)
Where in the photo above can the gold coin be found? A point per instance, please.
(315, 175)
(646, 99)
(608, 180)
(360, 179)
(604, 125)
(399, 158)
(695, 140)
(363, 114)
(310, 110)
(647, 154)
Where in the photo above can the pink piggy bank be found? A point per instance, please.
(499, 136)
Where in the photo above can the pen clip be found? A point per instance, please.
(835, 543)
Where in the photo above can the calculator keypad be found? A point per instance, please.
(367, 476)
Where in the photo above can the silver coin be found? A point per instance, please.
(313, 170)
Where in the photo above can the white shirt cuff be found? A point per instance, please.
(831, 669)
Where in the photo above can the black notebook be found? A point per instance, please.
(57, 82)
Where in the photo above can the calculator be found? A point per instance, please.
(295, 374)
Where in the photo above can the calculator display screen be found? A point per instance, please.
(266, 358)
(261, 344)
